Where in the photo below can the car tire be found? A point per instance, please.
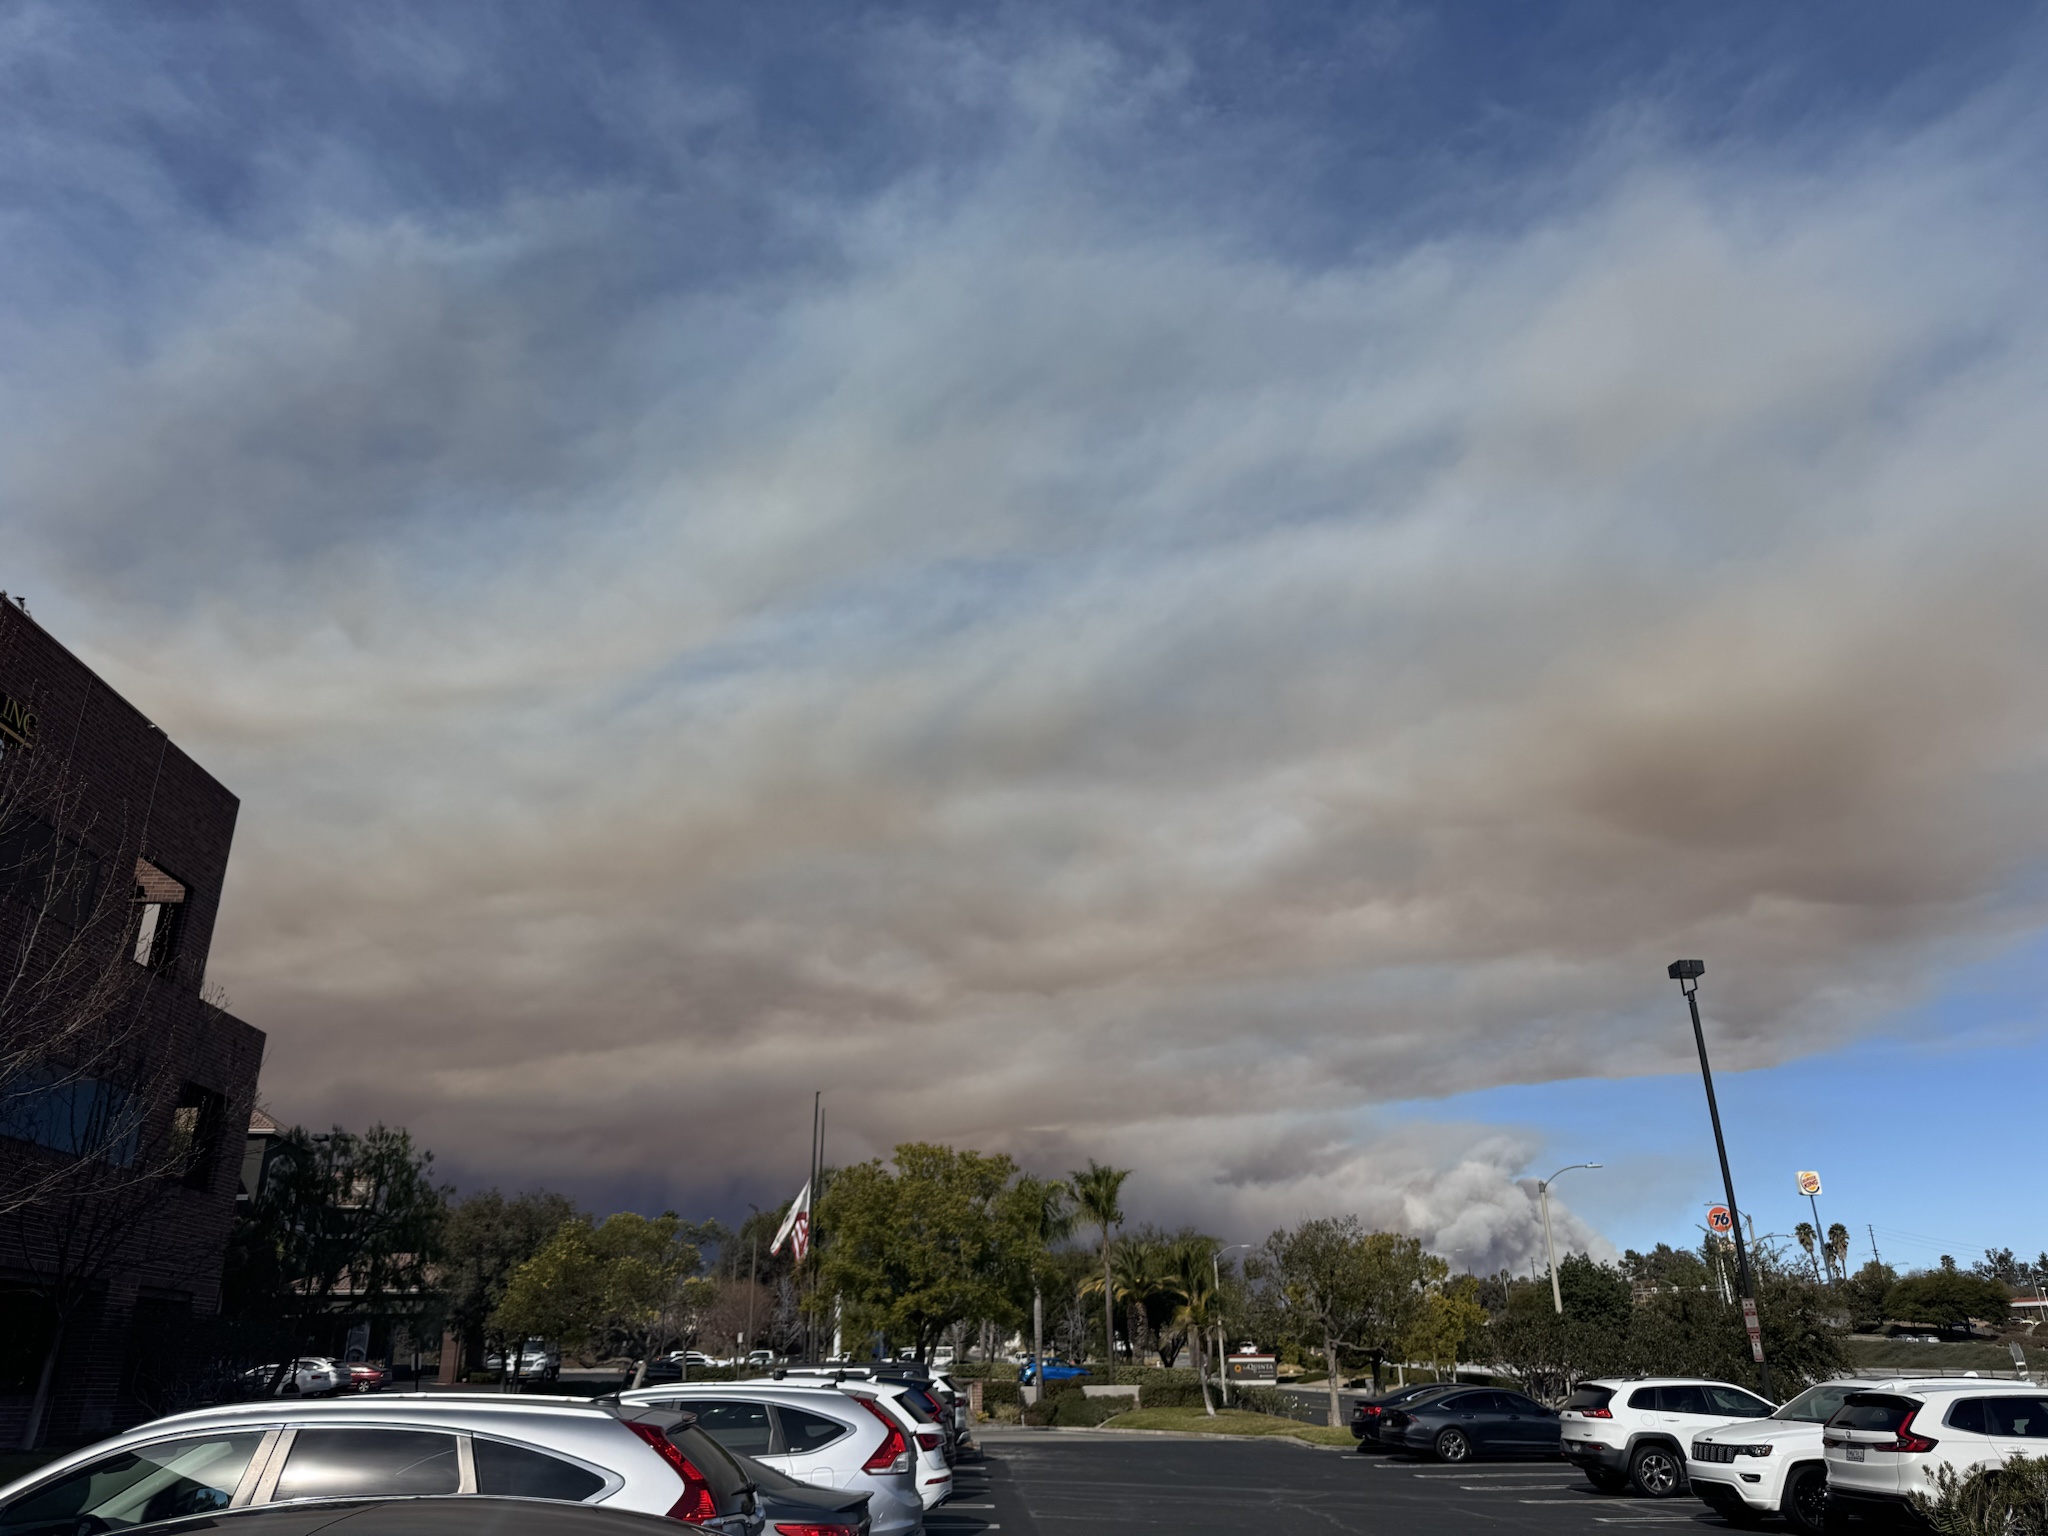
(1606, 1479)
(1452, 1446)
(1656, 1472)
(1804, 1503)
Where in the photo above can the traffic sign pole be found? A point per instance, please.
(1690, 985)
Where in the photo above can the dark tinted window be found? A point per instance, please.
(914, 1405)
(741, 1427)
(1735, 1403)
(1462, 1402)
(156, 1482)
(1519, 1404)
(369, 1463)
(1968, 1416)
(1683, 1400)
(1590, 1397)
(804, 1432)
(2021, 1418)
(1871, 1410)
(516, 1472)
(703, 1451)
(1643, 1397)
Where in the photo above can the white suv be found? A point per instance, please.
(1758, 1467)
(1633, 1432)
(1883, 1445)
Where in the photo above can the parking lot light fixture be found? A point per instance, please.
(1687, 974)
(1216, 1274)
(1549, 1249)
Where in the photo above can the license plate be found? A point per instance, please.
(1858, 1453)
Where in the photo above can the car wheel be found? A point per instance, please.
(1805, 1501)
(1655, 1473)
(1452, 1446)
(1606, 1479)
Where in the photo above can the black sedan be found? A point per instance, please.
(1368, 1413)
(1480, 1421)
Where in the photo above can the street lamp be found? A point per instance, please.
(1216, 1274)
(1687, 974)
(1549, 1250)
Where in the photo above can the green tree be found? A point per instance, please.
(1097, 1193)
(941, 1236)
(1447, 1324)
(1197, 1300)
(486, 1238)
(1325, 1283)
(1864, 1293)
(619, 1284)
(1948, 1298)
(346, 1225)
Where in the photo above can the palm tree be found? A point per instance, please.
(1838, 1249)
(1048, 1216)
(1807, 1239)
(1096, 1189)
(1199, 1305)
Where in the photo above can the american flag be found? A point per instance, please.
(796, 1226)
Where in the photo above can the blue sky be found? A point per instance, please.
(1213, 587)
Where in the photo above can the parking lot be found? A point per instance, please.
(1040, 1483)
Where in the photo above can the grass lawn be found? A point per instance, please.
(1868, 1353)
(1229, 1421)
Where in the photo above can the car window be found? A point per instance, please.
(152, 1482)
(1687, 1399)
(1462, 1402)
(1736, 1403)
(1968, 1416)
(517, 1472)
(367, 1463)
(1519, 1404)
(741, 1427)
(912, 1406)
(1816, 1405)
(1871, 1410)
(804, 1432)
(2022, 1418)
(1590, 1397)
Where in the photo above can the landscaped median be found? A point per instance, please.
(1229, 1421)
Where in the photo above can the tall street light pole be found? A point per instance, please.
(1549, 1249)
(1687, 974)
(1216, 1274)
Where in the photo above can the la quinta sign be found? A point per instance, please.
(17, 721)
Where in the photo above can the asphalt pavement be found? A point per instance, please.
(1050, 1483)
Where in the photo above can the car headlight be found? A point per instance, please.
(1754, 1450)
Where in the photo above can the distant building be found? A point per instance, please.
(123, 1092)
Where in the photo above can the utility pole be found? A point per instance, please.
(1873, 1244)
(1037, 1345)
(1687, 974)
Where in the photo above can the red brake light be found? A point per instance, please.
(930, 1439)
(1906, 1441)
(1595, 1413)
(893, 1454)
(696, 1505)
(1370, 1411)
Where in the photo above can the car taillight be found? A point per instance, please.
(697, 1504)
(893, 1454)
(1370, 1410)
(1594, 1413)
(930, 1439)
(1905, 1440)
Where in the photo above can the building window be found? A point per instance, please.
(52, 874)
(195, 1134)
(161, 902)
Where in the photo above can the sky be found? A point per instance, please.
(1218, 588)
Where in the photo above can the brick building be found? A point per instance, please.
(123, 1091)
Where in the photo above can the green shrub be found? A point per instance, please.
(1989, 1502)
(996, 1390)
(1260, 1400)
(482, 1378)
(1076, 1410)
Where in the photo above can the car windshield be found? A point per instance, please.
(1816, 1405)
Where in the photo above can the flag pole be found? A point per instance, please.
(810, 1313)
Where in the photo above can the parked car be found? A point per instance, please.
(417, 1446)
(535, 1361)
(1755, 1468)
(1633, 1432)
(1393, 1422)
(813, 1433)
(368, 1375)
(1056, 1369)
(761, 1359)
(423, 1517)
(1479, 1421)
(1367, 1412)
(911, 1408)
(312, 1376)
(1885, 1445)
